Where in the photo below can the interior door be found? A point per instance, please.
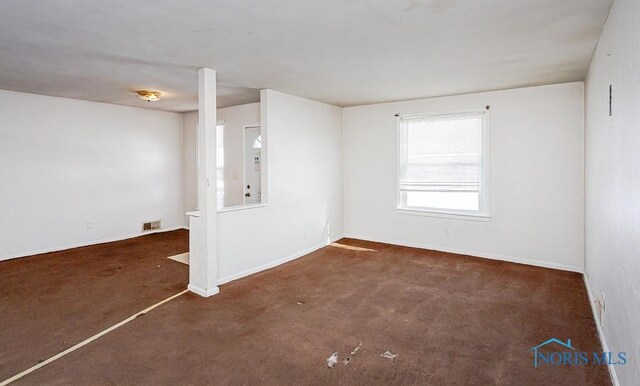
(252, 164)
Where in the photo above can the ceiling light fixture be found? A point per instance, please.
(149, 96)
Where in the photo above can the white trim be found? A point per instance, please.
(264, 161)
(475, 216)
(197, 163)
(88, 243)
(483, 255)
(244, 164)
(251, 271)
(444, 112)
(485, 192)
(484, 201)
(400, 151)
(203, 292)
(603, 340)
(241, 207)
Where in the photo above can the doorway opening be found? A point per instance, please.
(252, 156)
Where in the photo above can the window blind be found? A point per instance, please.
(443, 154)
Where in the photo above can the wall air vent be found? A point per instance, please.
(151, 225)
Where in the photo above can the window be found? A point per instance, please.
(442, 163)
(257, 144)
(220, 164)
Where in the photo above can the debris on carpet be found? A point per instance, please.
(389, 355)
(332, 361)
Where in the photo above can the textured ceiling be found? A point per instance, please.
(336, 51)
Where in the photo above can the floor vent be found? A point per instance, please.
(151, 225)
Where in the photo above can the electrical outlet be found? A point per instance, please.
(447, 233)
(90, 225)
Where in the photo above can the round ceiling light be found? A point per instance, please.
(149, 96)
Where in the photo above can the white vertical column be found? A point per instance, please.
(203, 235)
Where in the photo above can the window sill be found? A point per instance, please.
(241, 207)
(444, 214)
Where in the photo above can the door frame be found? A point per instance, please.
(244, 161)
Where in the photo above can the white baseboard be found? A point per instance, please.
(537, 263)
(87, 243)
(274, 263)
(603, 340)
(203, 292)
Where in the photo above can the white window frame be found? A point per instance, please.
(483, 212)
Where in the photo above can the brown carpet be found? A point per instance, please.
(451, 320)
(52, 301)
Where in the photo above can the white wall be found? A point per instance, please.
(613, 183)
(64, 163)
(535, 177)
(234, 118)
(304, 165)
